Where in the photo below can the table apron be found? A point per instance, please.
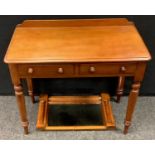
(69, 70)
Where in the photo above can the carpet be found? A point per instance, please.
(143, 124)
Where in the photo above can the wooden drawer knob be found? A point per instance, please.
(30, 70)
(123, 69)
(92, 69)
(60, 70)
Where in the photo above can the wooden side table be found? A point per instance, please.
(74, 49)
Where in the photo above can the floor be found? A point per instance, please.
(143, 126)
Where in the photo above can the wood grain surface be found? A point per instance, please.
(76, 44)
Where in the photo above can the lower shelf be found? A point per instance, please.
(45, 103)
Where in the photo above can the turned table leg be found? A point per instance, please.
(19, 96)
(139, 74)
(30, 89)
(120, 88)
(21, 106)
(131, 105)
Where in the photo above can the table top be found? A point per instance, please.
(108, 43)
